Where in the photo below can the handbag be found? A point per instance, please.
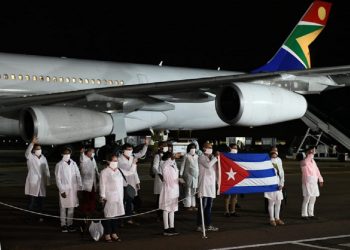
(129, 191)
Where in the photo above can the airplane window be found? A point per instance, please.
(6, 76)
(27, 77)
(54, 79)
(34, 78)
(48, 78)
(74, 79)
(41, 78)
(20, 77)
(98, 81)
(92, 81)
(86, 80)
(67, 79)
(60, 79)
(80, 80)
(121, 82)
(13, 77)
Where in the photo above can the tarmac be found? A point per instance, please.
(250, 230)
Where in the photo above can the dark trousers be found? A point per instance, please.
(36, 203)
(128, 205)
(110, 226)
(207, 204)
(159, 212)
(88, 201)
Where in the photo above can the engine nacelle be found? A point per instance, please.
(248, 104)
(59, 125)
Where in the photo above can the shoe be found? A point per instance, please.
(64, 229)
(108, 239)
(212, 228)
(313, 217)
(273, 223)
(194, 209)
(166, 232)
(279, 222)
(227, 214)
(116, 238)
(234, 214)
(199, 229)
(304, 218)
(71, 229)
(172, 231)
(189, 209)
(41, 219)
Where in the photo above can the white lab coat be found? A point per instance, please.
(68, 180)
(89, 172)
(126, 165)
(190, 170)
(168, 198)
(38, 176)
(207, 176)
(112, 190)
(277, 195)
(157, 185)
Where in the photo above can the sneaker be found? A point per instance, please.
(227, 214)
(71, 229)
(172, 231)
(167, 232)
(199, 229)
(279, 222)
(234, 214)
(304, 218)
(313, 218)
(212, 228)
(273, 223)
(64, 229)
(194, 209)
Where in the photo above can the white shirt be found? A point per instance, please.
(207, 176)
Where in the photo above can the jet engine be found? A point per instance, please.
(59, 125)
(248, 104)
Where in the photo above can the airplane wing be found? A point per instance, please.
(177, 91)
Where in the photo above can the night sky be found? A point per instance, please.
(235, 35)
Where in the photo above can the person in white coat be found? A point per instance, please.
(169, 194)
(157, 174)
(38, 176)
(208, 168)
(275, 198)
(112, 195)
(311, 177)
(189, 172)
(89, 175)
(125, 163)
(68, 181)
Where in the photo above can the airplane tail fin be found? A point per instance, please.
(294, 53)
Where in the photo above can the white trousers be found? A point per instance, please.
(190, 200)
(274, 208)
(65, 215)
(307, 208)
(168, 219)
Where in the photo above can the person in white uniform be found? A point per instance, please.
(125, 163)
(38, 176)
(208, 168)
(89, 175)
(112, 195)
(68, 181)
(189, 172)
(169, 194)
(156, 173)
(311, 178)
(275, 198)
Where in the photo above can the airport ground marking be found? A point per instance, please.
(314, 246)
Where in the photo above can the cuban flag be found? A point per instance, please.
(244, 173)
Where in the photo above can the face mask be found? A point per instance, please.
(234, 151)
(37, 152)
(92, 155)
(113, 164)
(165, 149)
(208, 151)
(66, 157)
(192, 151)
(128, 153)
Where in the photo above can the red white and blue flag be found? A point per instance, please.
(246, 173)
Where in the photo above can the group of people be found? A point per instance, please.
(198, 175)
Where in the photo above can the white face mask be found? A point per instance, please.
(37, 152)
(208, 151)
(234, 151)
(92, 155)
(128, 153)
(113, 164)
(192, 151)
(165, 149)
(66, 157)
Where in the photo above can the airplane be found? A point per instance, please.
(64, 100)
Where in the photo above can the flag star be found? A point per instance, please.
(231, 174)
